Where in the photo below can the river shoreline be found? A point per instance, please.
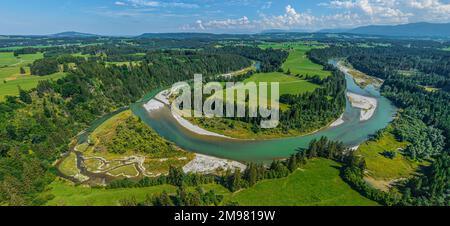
(351, 132)
(206, 164)
(368, 105)
(162, 99)
(338, 122)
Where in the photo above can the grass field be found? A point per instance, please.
(7, 58)
(298, 63)
(305, 45)
(12, 48)
(27, 82)
(66, 194)
(288, 84)
(317, 184)
(69, 165)
(10, 77)
(381, 167)
(128, 170)
(430, 89)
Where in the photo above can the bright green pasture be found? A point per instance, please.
(316, 184)
(288, 84)
(299, 64)
(26, 82)
(10, 77)
(382, 168)
(292, 45)
(67, 194)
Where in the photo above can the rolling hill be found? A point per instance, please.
(72, 34)
(406, 30)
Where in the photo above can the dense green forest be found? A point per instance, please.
(271, 60)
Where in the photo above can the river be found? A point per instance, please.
(352, 132)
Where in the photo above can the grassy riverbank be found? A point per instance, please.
(123, 141)
(382, 170)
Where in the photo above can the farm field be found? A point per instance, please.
(10, 77)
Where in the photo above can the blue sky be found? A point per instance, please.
(131, 17)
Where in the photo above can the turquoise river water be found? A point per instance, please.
(352, 132)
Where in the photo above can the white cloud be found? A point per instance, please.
(120, 3)
(147, 3)
(343, 14)
(267, 5)
(240, 23)
(137, 3)
(340, 4)
(435, 6)
(391, 11)
(291, 19)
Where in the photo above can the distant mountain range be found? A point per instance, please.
(72, 34)
(422, 29)
(189, 35)
(405, 30)
(415, 30)
(284, 31)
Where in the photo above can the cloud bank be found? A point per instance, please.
(346, 14)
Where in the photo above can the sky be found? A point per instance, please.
(133, 17)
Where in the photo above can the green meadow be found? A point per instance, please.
(288, 84)
(298, 62)
(316, 184)
(380, 167)
(11, 78)
(64, 193)
(291, 45)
